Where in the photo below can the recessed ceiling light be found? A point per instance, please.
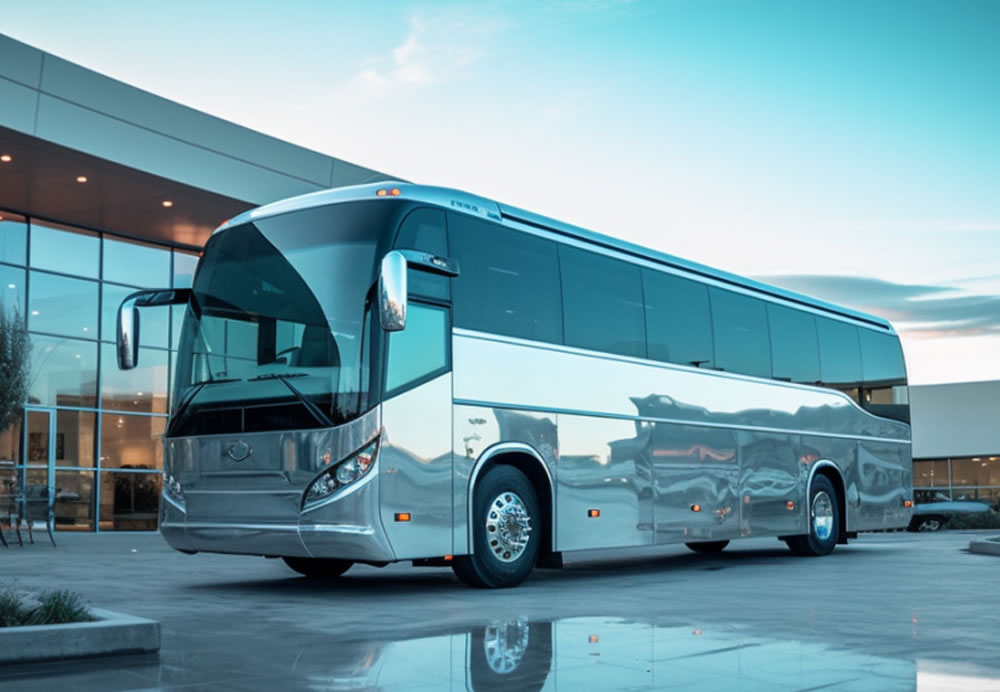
(34, 312)
(81, 178)
(86, 329)
(11, 285)
(6, 158)
(167, 203)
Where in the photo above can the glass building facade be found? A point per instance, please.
(959, 478)
(90, 442)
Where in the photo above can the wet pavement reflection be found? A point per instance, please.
(589, 653)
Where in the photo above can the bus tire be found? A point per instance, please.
(506, 531)
(824, 521)
(707, 546)
(318, 568)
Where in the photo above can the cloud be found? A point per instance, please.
(437, 46)
(926, 311)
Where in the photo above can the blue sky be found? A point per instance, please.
(849, 150)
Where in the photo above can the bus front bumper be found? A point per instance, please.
(347, 527)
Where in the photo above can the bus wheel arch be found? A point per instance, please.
(826, 499)
(528, 462)
(832, 472)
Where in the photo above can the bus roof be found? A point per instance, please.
(480, 206)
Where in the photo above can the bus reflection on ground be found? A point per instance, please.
(594, 653)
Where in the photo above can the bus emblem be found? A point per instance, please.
(238, 451)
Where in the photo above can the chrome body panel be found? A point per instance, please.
(250, 501)
(644, 441)
(415, 470)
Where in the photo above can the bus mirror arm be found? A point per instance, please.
(392, 292)
(431, 263)
(127, 336)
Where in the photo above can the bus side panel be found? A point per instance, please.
(415, 467)
(477, 429)
(885, 479)
(604, 466)
(770, 478)
(697, 473)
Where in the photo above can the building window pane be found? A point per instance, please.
(602, 303)
(63, 372)
(130, 501)
(925, 496)
(73, 506)
(137, 264)
(975, 471)
(184, 266)
(12, 289)
(153, 321)
(60, 305)
(742, 343)
(13, 238)
(64, 249)
(75, 432)
(794, 348)
(132, 442)
(930, 473)
(10, 446)
(678, 319)
(142, 389)
(509, 282)
(839, 353)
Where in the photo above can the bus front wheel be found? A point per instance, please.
(506, 531)
(824, 521)
(318, 568)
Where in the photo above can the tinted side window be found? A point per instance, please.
(509, 282)
(602, 303)
(739, 324)
(424, 229)
(881, 358)
(839, 353)
(794, 348)
(420, 351)
(678, 319)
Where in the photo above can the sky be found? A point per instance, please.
(847, 150)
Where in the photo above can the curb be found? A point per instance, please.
(988, 546)
(111, 633)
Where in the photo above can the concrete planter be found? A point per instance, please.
(111, 633)
(986, 546)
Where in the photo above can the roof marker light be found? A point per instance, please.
(388, 192)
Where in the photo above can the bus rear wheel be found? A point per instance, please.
(506, 531)
(318, 568)
(708, 546)
(824, 521)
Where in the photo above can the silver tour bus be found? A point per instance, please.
(399, 372)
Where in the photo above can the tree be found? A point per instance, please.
(15, 365)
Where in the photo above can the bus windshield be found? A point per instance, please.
(275, 336)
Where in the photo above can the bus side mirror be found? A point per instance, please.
(127, 337)
(392, 292)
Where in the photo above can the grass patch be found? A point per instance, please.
(54, 607)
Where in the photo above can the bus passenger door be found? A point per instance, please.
(415, 461)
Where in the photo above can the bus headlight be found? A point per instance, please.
(346, 472)
(173, 487)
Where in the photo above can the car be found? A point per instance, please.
(936, 510)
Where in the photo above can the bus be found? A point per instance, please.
(397, 372)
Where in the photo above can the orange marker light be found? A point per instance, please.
(790, 505)
(402, 516)
(593, 513)
(449, 558)
(907, 503)
(381, 193)
(395, 192)
(593, 639)
(695, 508)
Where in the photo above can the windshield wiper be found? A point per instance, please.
(315, 410)
(211, 381)
(278, 376)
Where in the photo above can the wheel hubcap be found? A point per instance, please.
(508, 527)
(505, 643)
(822, 516)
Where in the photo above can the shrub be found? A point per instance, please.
(54, 607)
(981, 520)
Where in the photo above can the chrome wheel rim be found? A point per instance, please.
(508, 527)
(504, 645)
(929, 525)
(822, 516)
